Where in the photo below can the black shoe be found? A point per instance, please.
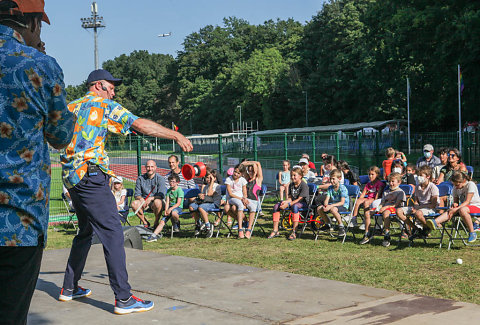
(208, 230)
(365, 240)
(386, 240)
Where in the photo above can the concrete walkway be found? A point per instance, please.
(195, 291)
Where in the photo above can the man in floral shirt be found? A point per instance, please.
(86, 174)
(33, 112)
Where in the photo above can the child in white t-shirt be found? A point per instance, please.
(119, 192)
(237, 196)
(465, 201)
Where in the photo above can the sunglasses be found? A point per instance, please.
(451, 155)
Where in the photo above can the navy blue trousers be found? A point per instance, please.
(97, 211)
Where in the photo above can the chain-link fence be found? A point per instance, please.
(361, 150)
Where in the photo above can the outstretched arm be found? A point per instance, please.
(156, 130)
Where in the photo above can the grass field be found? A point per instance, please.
(420, 269)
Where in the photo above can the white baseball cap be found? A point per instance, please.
(118, 179)
(303, 161)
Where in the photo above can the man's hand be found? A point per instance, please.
(183, 142)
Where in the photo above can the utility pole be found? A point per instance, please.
(94, 22)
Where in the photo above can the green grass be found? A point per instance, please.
(420, 269)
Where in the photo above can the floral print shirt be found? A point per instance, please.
(33, 112)
(96, 116)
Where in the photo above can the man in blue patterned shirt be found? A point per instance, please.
(33, 114)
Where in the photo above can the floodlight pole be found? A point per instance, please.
(94, 22)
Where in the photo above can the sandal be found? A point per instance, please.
(273, 234)
(292, 236)
(248, 233)
(241, 230)
(216, 223)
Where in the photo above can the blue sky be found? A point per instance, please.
(134, 25)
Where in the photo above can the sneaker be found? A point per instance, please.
(365, 240)
(472, 237)
(362, 226)
(69, 294)
(197, 230)
(132, 305)
(341, 231)
(176, 227)
(235, 227)
(432, 224)
(208, 230)
(353, 223)
(476, 226)
(151, 238)
(386, 240)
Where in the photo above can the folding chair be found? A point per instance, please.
(261, 197)
(188, 193)
(71, 212)
(353, 194)
(408, 189)
(444, 190)
(460, 231)
(470, 171)
(363, 179)
(123, 214)
(307, 216)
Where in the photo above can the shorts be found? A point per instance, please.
(473, 209)
(237, 202)
(426, 212)
(375, 204)
(204, 206)
(166, 218)
(340, 209)
(252, 206)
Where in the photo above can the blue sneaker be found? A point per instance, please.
(432, 224)
(132, 305)
(472, 237)
(235, 227)
(69, 294)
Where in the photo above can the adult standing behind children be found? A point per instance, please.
(428, 158)
(152, 185)
(86, 174)
(33, 114)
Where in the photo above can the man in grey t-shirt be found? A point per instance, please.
(153, 184)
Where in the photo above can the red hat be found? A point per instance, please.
(30, 6)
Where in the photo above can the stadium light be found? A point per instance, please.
(94, 22)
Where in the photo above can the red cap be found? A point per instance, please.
(32, 6)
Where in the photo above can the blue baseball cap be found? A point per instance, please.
(102, 74)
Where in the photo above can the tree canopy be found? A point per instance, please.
(350, 61)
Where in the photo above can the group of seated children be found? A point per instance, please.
(378, 199)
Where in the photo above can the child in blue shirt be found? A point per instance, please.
(173, 207)
(336, 201)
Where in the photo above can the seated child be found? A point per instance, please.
(174, 206)
(401, 156)
(284, 179)
(336, 201)
(407, 178)
(297, 200)
(387, 163)
(348, 173)
(372, 191)
(392, 199)
(236, 197)
(224, 203)
(466, 200)
(119, 192)
(254, 177)
(207, 200)
(425, 202)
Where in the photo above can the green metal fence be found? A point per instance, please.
(128, 154)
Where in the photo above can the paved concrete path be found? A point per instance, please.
(195, 291)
